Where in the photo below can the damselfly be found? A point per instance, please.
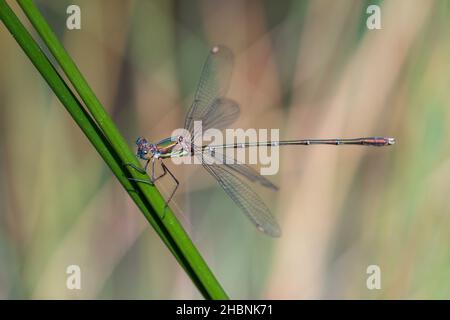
(214, 110)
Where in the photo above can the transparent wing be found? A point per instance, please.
(246, 199)
(220, 115)
(213, 85)
(235, 165)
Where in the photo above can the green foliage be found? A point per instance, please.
(109, 143)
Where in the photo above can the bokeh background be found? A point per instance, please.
(311, 69)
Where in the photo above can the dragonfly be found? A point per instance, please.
(215, 110)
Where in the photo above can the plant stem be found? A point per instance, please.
(110, 144)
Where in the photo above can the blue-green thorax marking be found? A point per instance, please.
(166, 148)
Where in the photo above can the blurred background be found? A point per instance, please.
(310, 68)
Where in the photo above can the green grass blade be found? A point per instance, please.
(110, 144)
